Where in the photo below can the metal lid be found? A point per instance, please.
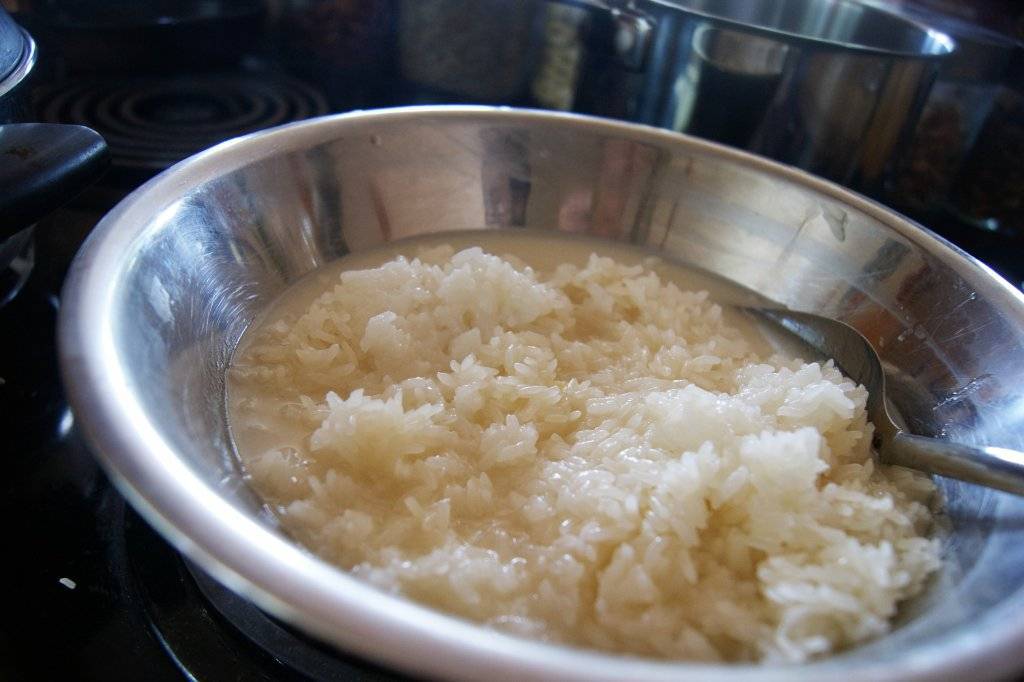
(12, 46)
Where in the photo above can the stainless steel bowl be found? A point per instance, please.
(167, 282)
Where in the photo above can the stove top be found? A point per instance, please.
(88, 579)
(95, 594)
(152, 123)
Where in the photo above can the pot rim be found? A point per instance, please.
(22, 67)
(944, 45)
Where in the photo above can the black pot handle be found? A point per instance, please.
(42, 166)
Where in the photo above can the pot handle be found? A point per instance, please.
(42, 166)
(616, 72)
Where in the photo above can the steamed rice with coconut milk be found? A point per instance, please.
(588, 455)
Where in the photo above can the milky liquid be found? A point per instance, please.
(259, 427)
(540, 249)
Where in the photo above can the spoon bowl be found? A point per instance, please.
(994, 467)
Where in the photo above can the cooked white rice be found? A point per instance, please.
(590, 456)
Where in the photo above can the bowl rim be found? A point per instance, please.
(297, 586)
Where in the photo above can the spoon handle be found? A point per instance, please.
(999, 468)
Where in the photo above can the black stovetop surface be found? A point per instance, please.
(93, 593)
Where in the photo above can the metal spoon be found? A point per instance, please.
(993, 467)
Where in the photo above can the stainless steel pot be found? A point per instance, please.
(958, 105)
(831, 86)
(165, 285)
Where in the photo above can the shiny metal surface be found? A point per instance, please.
(999, 468)
(12, 44)
(164, 286)
(14, 96)
(926, 176)
(20, 70)
(831, 86)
